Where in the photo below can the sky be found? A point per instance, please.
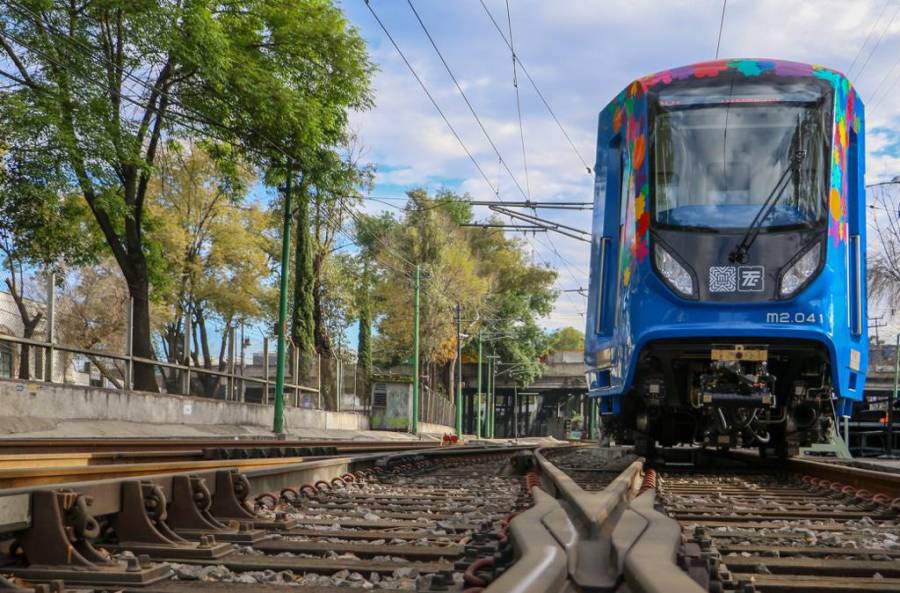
(580, 54)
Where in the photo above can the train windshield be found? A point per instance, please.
(715, 163)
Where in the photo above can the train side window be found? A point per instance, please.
(612, 217)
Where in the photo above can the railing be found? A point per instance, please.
(235, 381)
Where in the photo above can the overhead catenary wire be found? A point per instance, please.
(465, 99)
(877, 43)
(431, 98)
(537, 90)
(721, 27)
(868, 36)
(515, 82)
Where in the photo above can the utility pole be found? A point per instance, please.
(493, 410)
(892, 397)
(414, 424)
(459, 374)
(278, 427)
(478, 393)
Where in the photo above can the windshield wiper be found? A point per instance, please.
(739, 253)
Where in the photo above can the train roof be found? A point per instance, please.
(748, 67)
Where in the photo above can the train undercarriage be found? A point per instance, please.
(774, 396)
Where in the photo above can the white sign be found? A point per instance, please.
(188, 408)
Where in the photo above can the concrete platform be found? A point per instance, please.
(34, 409)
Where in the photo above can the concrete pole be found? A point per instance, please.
(243, 388)
(186, 350)
(232, 355)
(892, 397)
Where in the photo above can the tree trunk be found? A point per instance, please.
(303, 323)
(141, 345)
(364, 343)
(29, 324)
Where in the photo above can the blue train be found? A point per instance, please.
(727, 301)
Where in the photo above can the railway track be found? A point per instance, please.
(403, 521)
(784, 530)
(691, 522)
(491, 519)
(51, 461)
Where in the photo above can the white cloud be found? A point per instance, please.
(581, 54)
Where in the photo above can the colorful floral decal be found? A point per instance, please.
(631, 113)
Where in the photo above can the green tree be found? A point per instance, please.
(566, 338)
(106, 82)
(42, 224)
(216, 245)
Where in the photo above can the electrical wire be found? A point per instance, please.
(466, 99)
(518, 100)
(536, 88)
(721, 27)
(877, 43)
(868, 36)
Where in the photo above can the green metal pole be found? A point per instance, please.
(278, 425)
(459, 363)
(415, 402)
(478, 393)
(492, 397)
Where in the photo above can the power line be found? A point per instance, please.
(518, 100)
(465, 98)
(428, 94)
(535, 87)
(721, 26)
(868, 36)
(877, 43)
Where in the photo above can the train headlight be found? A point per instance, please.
(675, 274)
(800, 271)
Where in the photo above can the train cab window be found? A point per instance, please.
(716, 158)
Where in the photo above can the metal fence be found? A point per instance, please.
(60, 363)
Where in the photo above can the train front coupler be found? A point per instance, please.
(733, 393)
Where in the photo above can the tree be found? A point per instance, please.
(42, 225)
(216, 246)
(883, 261)
(501, 295)
(93, 315)
(566, 338)
(106, 82)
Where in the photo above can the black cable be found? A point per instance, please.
(535, 87)
(465, 98)
(518, 100)
(721, 26)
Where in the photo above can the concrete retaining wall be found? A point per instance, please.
(34, 406)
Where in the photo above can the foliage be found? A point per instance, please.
(216, 246)
(102, 84)
(93, 315)
(566, 338)
(500, 293)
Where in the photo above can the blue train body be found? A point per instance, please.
(727, 299)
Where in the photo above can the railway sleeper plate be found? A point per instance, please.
(173, 552)
(116, 575)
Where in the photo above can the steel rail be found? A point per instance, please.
(605, 538)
